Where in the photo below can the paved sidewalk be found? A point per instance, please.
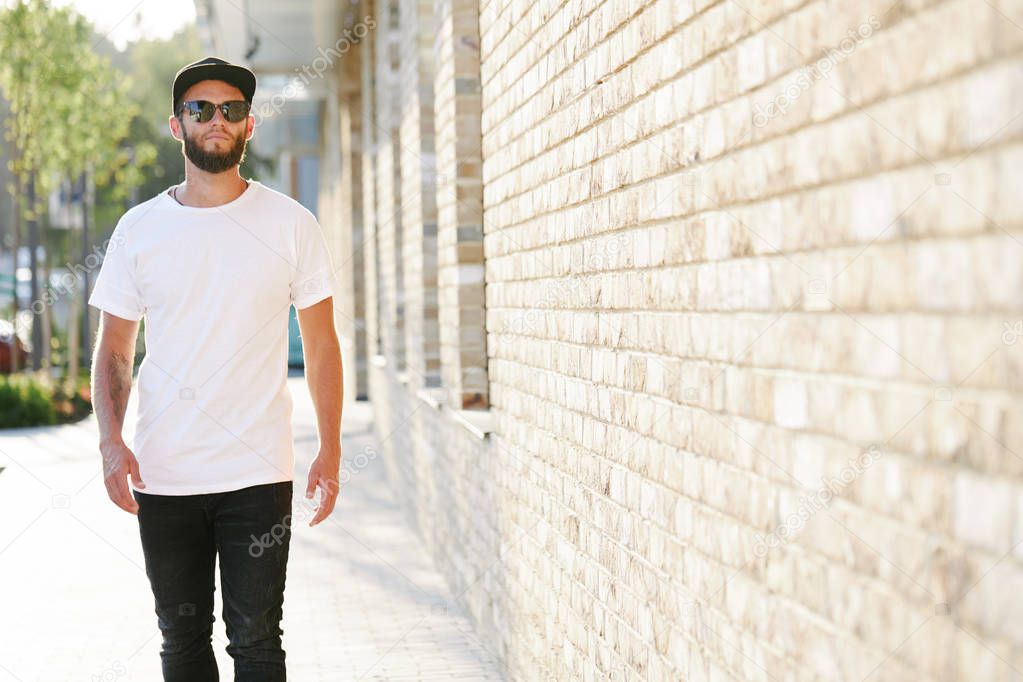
(363, 601)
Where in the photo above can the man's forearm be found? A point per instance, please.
(111, 386)
(324, 374)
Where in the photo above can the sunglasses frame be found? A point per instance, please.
(196, 108)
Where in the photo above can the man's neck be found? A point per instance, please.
(206, 190)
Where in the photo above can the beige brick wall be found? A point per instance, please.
(387, 176)
(339, 206)
(418, 169)
(365, 54)
(460, 204)
(753, 297)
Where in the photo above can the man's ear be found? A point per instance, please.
(173, 121)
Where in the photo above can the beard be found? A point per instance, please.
(215, 161)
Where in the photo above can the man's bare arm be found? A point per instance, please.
(324, 375)
(111, 373)
(111, 385)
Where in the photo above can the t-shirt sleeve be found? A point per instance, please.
(313, 278)
(116, 290)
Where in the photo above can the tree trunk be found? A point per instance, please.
(72, 342)
(45, 317)
(86, 332)
(33, 245)
(46, 294)
(14, 300)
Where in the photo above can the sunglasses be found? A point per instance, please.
(201, 111)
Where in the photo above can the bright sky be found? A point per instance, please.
(125, 21)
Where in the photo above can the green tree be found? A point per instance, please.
(70, 112)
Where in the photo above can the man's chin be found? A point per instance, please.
(212, 158)
(214, 168)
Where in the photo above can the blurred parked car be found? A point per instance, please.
(6, 332)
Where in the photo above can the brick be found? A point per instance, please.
(684, 309)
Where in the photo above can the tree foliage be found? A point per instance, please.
(70, 109)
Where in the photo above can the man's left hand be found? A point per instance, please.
(323, 474)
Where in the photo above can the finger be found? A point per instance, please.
(311, 488)
(331, 488)
(133, 506)
(329, 507)
(322, 512)
(136, 475)
(124, 498)
(327, 500)
(115, 493)
(318, 516)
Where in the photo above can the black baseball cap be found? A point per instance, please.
(213, 68)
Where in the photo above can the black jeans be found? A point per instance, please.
(250, 529)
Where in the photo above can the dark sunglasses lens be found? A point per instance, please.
(206, 110)
(236, 111)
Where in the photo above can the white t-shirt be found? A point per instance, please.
(216, 286)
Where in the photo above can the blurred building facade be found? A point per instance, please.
(690, 325)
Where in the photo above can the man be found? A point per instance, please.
(214, 265)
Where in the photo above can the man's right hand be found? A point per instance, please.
(118, 463)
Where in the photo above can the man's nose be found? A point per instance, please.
(217, 112)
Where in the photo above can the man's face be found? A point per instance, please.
(216, 145)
